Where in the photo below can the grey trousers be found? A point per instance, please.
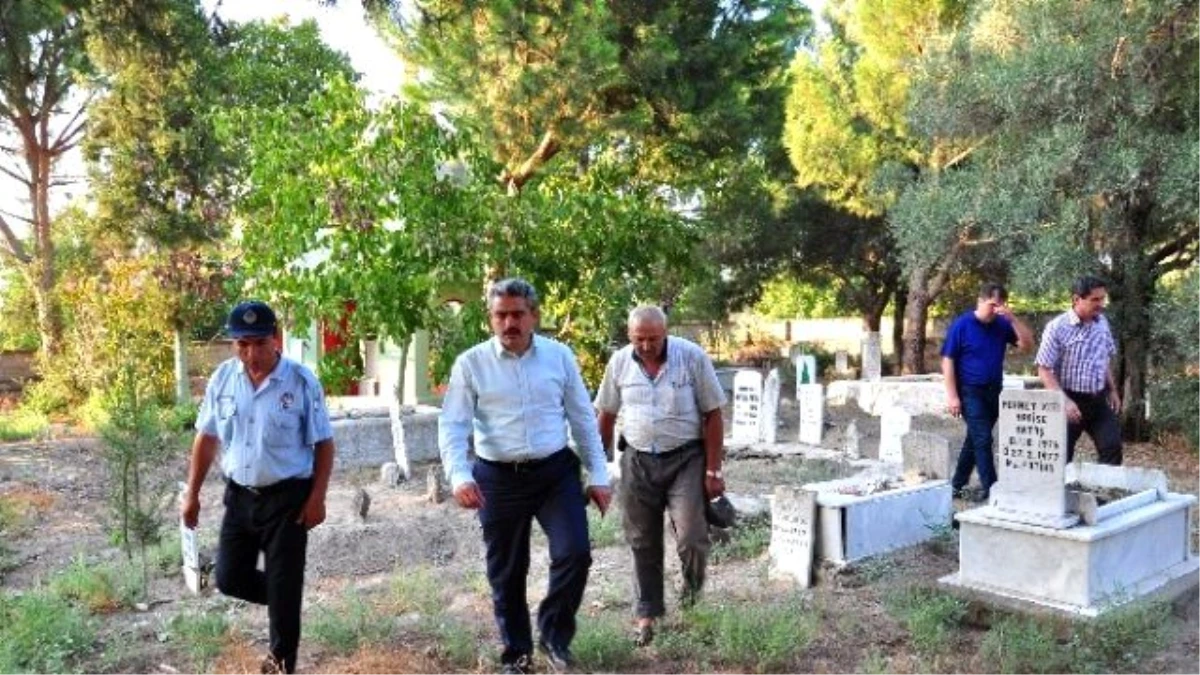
(650, 484)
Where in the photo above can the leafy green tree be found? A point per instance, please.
(1078, 127)
(40, 122)
(847, 136)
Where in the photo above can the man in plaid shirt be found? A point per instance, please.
(1074, 357)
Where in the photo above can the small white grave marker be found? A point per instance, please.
(872, 358)
(841, 362)
(810, 398)
(793, 526)
(893, 424)
(1031, 458)
(769, 419)
(747, 396)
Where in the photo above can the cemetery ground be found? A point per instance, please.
(404, 590)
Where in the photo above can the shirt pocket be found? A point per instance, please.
(683, 396)
(226, 419)
(283, 430)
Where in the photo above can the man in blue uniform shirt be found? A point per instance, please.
(267, 414)
(973, 370)
(518, 393)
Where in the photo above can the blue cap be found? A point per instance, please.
(252, 318)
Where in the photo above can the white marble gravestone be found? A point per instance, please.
(810, 398)
(1031, 459)
(841, 362)
(769, 419)
(793, 533)
(747, 397)
(893, 424)
(872, 357)
(806, 369)
(850, 441)
(928, 455)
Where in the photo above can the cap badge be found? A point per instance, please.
(250, 316)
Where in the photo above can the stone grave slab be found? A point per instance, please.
(810, 399)
(747, 400)
(1031, 459)
(768, 429)
(872, 357)
(414, 435)
(806, 369)
(793, 529)
(841, 362)
(850, 441)
(893, 424)
(929, 455)
(856, 526)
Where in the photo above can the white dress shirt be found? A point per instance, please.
(519, 408)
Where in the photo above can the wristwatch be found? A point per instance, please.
(714, 474)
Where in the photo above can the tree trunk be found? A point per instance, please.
(901, 306)
(183, 387)
(1131, 295)
(916, 312)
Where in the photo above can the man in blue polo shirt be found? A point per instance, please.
(267, 415)
(973, 369)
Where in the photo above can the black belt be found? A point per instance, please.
(268, 490)
(696, 443)
(522, 465)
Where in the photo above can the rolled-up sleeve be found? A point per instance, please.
(582, 419)
(454, 425)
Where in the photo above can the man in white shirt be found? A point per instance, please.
(672, 439)
(517, 393)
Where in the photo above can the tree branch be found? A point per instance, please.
(13, 245)
(545, 151)
(1177, 246)
(17, 177)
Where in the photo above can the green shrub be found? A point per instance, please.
(180, 417)
(1019, 644)
(749, 637)
(41, 633)
(418, 589)
(344, 627)
(930, 616)
(456, 643)
(1123, 638)
(747, 541)
(99, 588)
(22, 424)
(605, 531)
(1175, 400)
(202, 636)
(604, 644)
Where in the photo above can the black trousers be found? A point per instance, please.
(550, 491)
(1100, 422)
(265, 521)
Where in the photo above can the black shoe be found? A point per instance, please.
(559, 658)
(959, 493)
(520, 666)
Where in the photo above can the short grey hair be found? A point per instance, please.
(647, 314)
(513, 288)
